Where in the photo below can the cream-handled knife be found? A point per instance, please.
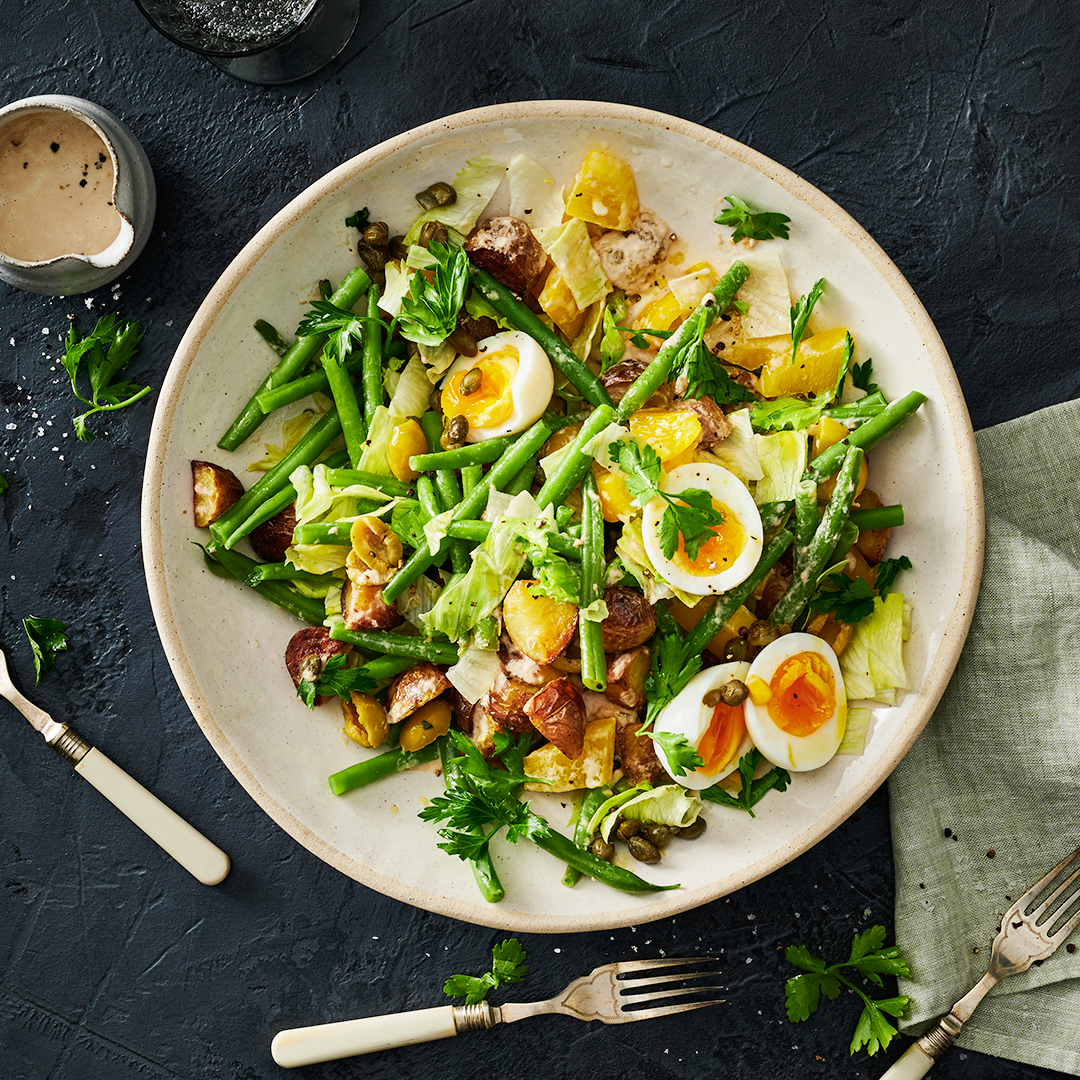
(166, 828)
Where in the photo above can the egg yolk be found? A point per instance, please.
(802, 694)
(719, 551)
(722, 738)
(490, 401)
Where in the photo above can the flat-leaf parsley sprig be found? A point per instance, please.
(507, 966)
(335, 678)
(763, 225)
(47, 638)
(871, 960)
(107, 348)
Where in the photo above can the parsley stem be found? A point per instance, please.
(302, 351)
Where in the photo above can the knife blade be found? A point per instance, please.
(201, 858)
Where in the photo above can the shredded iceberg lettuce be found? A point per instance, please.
(873, 663)
(783, 460)
(535, 198)
(572, 252)
(667, 805)
(631, 549)
(854, 740)
(475, 185)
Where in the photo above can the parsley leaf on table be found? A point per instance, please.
(752, 791)
(507, 966)
(344, 327)
(338, 679)
(108, 347)
(690, 514)
(47, 638)
(429, 310)
(764, 225)
(800, 315)
(871, 960)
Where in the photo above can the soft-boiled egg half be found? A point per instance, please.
(717, 731)
(730, 555)
(797, 709)
(510, 390)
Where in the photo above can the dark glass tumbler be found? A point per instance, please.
(260, 41)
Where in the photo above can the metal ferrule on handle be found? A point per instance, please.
(327, 1042)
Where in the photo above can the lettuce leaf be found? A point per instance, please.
(475, 185)
(666, 805)
(534, 196)
(787, 414)
(739, 451)
(873, 663)
(631, 549)
(783, 460)
(572, 252)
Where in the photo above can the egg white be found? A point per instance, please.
(726, 488)
(530, 389)
(687, 715)
(798, 753)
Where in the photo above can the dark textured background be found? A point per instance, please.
(947, 129)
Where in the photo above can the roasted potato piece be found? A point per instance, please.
(307, 653)
(626, 673)
(871, 542)
(425, 725)
(593, 768)
(539, 626)
(214, 490)
(506, 248)
(365, 720)
(414, 688)
(363, 608)
(630, 621)
(506, 703)
(558, 713)
(636, 753)
(271, 538)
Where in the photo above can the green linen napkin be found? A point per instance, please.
(988, 799)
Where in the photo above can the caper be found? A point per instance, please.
(432, 231)
(657, 834)
(471, 382)
(602, 849)
(398, 248)
(761, 633)
(712, 698)
(643, 850)
(426, 199)
(377, 234)
(627, 828)
(463, 342)
(444, 194)
(374, 259)
(435, 401)
(691, 831)
(455, 432)
(734, 692)
(735, 649)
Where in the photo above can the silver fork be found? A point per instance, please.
(1028, 933)
(606, 994)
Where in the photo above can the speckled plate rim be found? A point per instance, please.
(667, 903)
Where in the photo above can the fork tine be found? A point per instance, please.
(1060, 935)
(648, 965)
(1041, 884)
(1037, 913)
(668, 1010)
(654, 980)
(679, 991)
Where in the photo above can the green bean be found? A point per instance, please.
(325, 532)
(716, 303)
(287, 572)
(385, 764)
(270, 335)
(523, 480)
(806, 515)
(583, 836)
(480, 453)
(726, 605)
(866, 436)
(472, 505)
(382, 641)
(353, 426)
(877, 517)
(576, 463)
(774, 515)
(386, 667)
(373, 357)
(448, 487)
(388, 485)
(863, 409)
(483, 866)
(240, 567)
(306, 451)
(808, 568)
(561, 355)
(470, 477)
(302, 351)
(476, 532)
(313, 383)
(590, 632)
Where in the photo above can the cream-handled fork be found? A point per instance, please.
(1028, 933)
(601, 995)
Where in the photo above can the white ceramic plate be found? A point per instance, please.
(225, 644)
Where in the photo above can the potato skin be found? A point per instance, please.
(636, 754)
(506, 702)
(271, 538)
(626, 673)
(871, 542)
(415, 688)
(307, 653)
(557, 711)
(538, 626)
(630, 621)
(214, 489)
(363, 607)
(506, 248)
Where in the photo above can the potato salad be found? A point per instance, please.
(567, 506)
